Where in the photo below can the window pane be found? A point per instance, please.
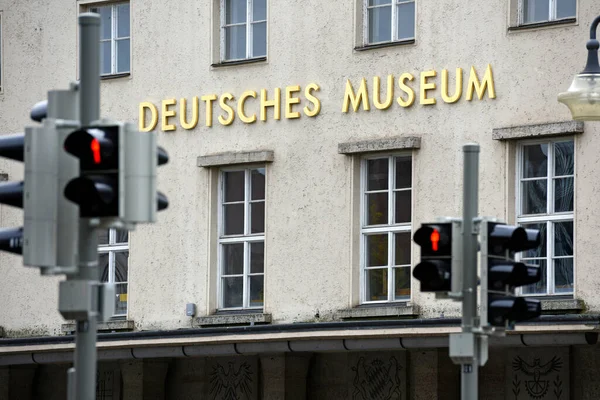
(402, 248)
(539, 287)
(235, 11)
(402, 213)
(257, 257)
(121, 299)
(563, 275)
(377, 250)
(377, 174)
(259, 10)
(257, 291)
(402, 283)
(535, 161)
(377, 204)
(233, 289)
(105, 21)
(235, 39)
(563, 158)
(565, 8)
(540, 251)
(103, 266)
(536, 10)
(233, 259)
(121, 236)
(123, 20)
(377, 284)
(534, 197)
(234, 219)
(259, 39)
(563, 194)
(123, 55)
(563, 238)
(121, 266)
(380, 24)
(258, 184)
(406, 20)
(234, 186)
(379, 2)
(257, 217)
(103, 236)
(403, 172)
(105, 56)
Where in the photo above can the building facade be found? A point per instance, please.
(308, 141)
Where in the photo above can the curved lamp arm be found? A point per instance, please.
(592, 66)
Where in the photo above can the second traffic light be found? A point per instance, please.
(441, 248)
(501, 274)
(117, 172)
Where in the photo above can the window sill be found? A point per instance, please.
(531, 26)
(379, 311)
(538, 130)
(383, 45)
(239, 62)
(106, 327)
(245, 317)
(114, 76)
(562, 306)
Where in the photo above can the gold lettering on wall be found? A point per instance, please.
(480, 87)
(356, 99)
(242, 103)
(183, 113)
(458, 86)
(153, 116)
(166, 114)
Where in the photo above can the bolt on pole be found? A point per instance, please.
(469, 370)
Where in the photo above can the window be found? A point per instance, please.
(113, 260)
(389, 21)
(534, 11)
(114, 38)
(545, 202)
(386, 228)
(242, 238)
(243, 29)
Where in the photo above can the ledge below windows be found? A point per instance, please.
(391, 311)
(562, 306)
(235, 157)
(538, 130)
(248, 318)
(384, 144)
(105, 327)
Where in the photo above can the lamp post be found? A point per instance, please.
(583, 97)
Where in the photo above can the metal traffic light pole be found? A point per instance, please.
(470, 369)
(82, 381)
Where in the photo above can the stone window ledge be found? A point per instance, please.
(384, 144)
(538, 130)
(379, 312)
(221, 319)
(109, 326)
(562, 306)
(231, 158)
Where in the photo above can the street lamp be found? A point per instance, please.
(583, 97)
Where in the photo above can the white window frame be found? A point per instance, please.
(111, 248)
(248, 23)
(391, 228)
(550, 217)
(114, 31)
(551, 16)
(394, 16)
(246, 238)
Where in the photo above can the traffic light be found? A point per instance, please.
(11, 193)
(439, 269)
(501, 274)
(117, 172)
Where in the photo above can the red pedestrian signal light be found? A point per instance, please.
(95, 145)
(435, 239)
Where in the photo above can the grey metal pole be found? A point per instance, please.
(89, 67)
(469, 372)
(89, 101)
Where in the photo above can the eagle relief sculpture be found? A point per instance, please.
(537, 383)
(377, 380)
(231, 384)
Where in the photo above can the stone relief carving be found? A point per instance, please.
(377, 380)
(230, 383)
(538, 378)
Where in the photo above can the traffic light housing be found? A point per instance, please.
(439, 269)
(117, 172)
(501, 274)
(11, 193)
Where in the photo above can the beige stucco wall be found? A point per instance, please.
(309, 216)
